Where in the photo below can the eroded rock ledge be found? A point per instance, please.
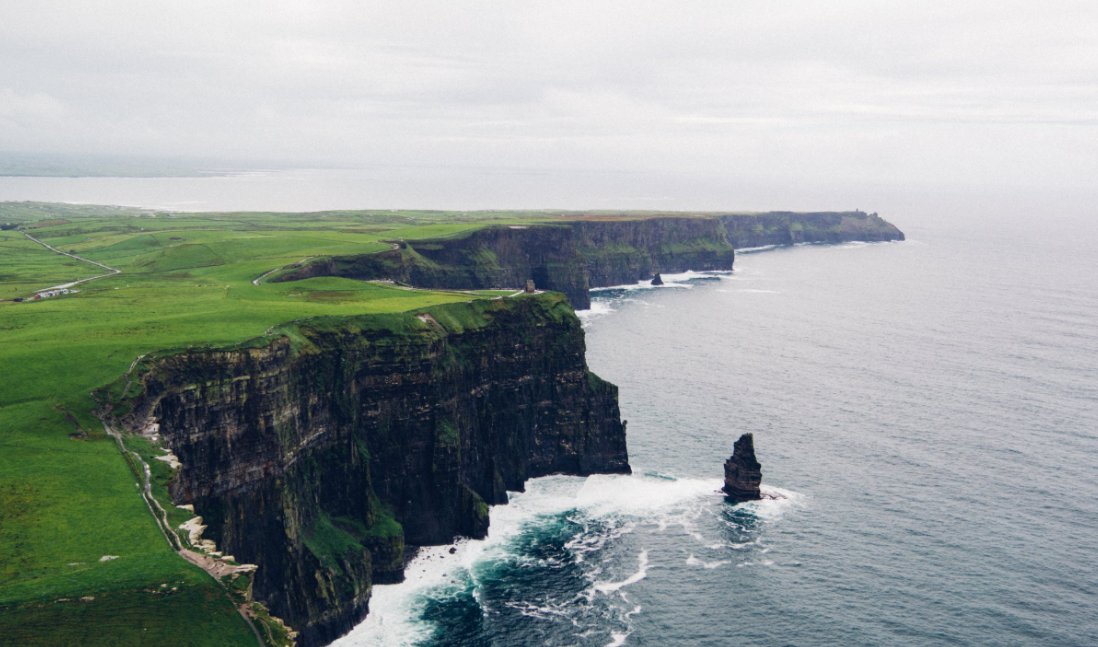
(320, 455)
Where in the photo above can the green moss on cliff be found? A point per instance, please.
(383, 524)
(447, 433)
(331, 543)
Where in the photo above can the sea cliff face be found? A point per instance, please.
(568, 257)
(320, 458)
(574, 256)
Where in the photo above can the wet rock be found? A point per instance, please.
(657, 280)
(742, 472)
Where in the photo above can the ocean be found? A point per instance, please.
(925, 415)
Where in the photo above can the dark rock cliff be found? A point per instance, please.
(574, 256)
(319, 459)
(568, 257)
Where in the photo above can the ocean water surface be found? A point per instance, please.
(925, 416)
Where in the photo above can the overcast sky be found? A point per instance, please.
(984, 92)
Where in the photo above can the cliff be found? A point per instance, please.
(574, 256)
(319, 455)
(789, 228)
(568, 257)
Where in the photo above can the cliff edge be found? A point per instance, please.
(321, 454)
(573, 256)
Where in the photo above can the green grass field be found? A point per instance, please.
(81, 559)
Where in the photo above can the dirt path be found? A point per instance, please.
(216, 568)
(111, 271)
(264, 275)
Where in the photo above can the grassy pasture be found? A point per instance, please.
(26, 266)
(72, 523)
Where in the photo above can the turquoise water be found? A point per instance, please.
(925, 415)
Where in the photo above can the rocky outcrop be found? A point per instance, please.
(572, 256)
(742, 472)
(657, 279)
(321, 454)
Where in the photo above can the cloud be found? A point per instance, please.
(21, 109)
(863, 89)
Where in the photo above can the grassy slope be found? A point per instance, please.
(66, 502)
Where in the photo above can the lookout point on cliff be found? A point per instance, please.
(742, 472)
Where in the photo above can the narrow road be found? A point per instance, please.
(111, 271)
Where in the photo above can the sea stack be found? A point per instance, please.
(657, 280)
(742, 472)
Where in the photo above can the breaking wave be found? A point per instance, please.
(562, 557)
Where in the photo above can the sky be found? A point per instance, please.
(987, 93)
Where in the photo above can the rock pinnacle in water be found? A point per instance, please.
(742, 472)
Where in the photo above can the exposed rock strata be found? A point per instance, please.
(574, 256)
(742, 471)
(319, 459)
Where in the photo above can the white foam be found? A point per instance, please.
(694, 561)
(599, 308)
(394, 609)
(691, 275)
(612, 587)
(775, 503)
(617, 639)
(680, 280)
(541, 612)
(761, 248)
(632, 499)
(765, 562)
